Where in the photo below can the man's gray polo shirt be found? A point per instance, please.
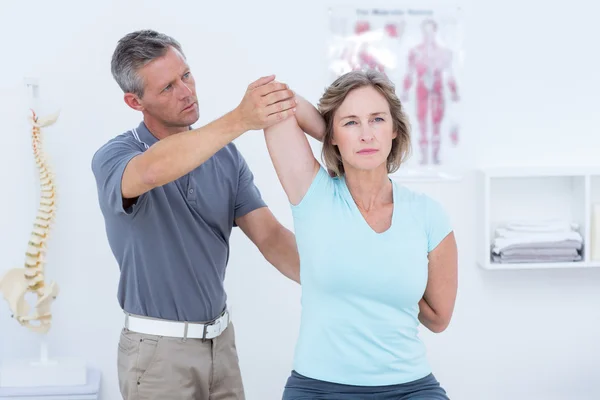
(172, 246)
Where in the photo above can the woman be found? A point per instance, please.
(376, 258)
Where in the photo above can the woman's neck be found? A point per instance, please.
(369, 189)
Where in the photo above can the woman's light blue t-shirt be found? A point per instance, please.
(360, 289)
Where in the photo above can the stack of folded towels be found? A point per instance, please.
(538, 241)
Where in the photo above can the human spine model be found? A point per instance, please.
(17, 282)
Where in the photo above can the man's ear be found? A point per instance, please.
(133, 101)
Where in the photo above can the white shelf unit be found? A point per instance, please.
(509, 194)
(594, 247)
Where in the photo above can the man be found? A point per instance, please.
(170, 196)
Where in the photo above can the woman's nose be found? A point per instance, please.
(366, 134)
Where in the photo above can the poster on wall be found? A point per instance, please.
(420, 50)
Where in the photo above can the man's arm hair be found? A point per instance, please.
(176, 155)
(265, 103)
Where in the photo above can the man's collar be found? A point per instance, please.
(145, 135)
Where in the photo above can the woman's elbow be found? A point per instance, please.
(440, 324)
(439, 327)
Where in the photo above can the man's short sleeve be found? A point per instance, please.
(438, 224)
(248, 197)
(108, 165)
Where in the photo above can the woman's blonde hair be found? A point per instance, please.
(333, 98)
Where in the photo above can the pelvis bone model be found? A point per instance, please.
(18, 282)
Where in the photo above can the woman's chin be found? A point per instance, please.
(367, 165)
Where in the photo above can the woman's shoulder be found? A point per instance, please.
(324, 186)
(326, 177)
(427, 209)
(412, 196)
(416, 200)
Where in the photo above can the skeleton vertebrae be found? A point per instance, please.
(17, 282)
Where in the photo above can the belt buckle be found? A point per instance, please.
(211, 323)
(205, 329)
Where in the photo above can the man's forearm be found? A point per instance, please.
(265, 102)
(281, 251)
(172, 157)
(309, 119)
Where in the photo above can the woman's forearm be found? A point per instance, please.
(429, 318)
(309, 119)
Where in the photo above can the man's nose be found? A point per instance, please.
(184, 90)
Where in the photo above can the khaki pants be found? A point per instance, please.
(162, 368)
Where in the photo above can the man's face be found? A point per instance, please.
(170, 91)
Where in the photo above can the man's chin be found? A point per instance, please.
(190, 119)
(182, 124)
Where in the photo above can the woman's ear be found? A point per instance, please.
(332, 139)
(395, 135)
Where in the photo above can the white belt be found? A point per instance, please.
(192, 330)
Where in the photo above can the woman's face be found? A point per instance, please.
(363, 129)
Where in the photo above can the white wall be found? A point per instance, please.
(530, 91)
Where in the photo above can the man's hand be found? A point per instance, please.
(265, 103)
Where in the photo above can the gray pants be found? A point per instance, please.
(159, 367)
(299, 387)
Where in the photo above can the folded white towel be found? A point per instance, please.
(563, 245)
(550, 225)
(508, 233)
(501, 243)
(525, 259)
(539, 252)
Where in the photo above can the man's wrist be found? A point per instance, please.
(235, 122)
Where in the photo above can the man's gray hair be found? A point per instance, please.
(135, 50)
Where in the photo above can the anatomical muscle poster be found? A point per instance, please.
(420, 50)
